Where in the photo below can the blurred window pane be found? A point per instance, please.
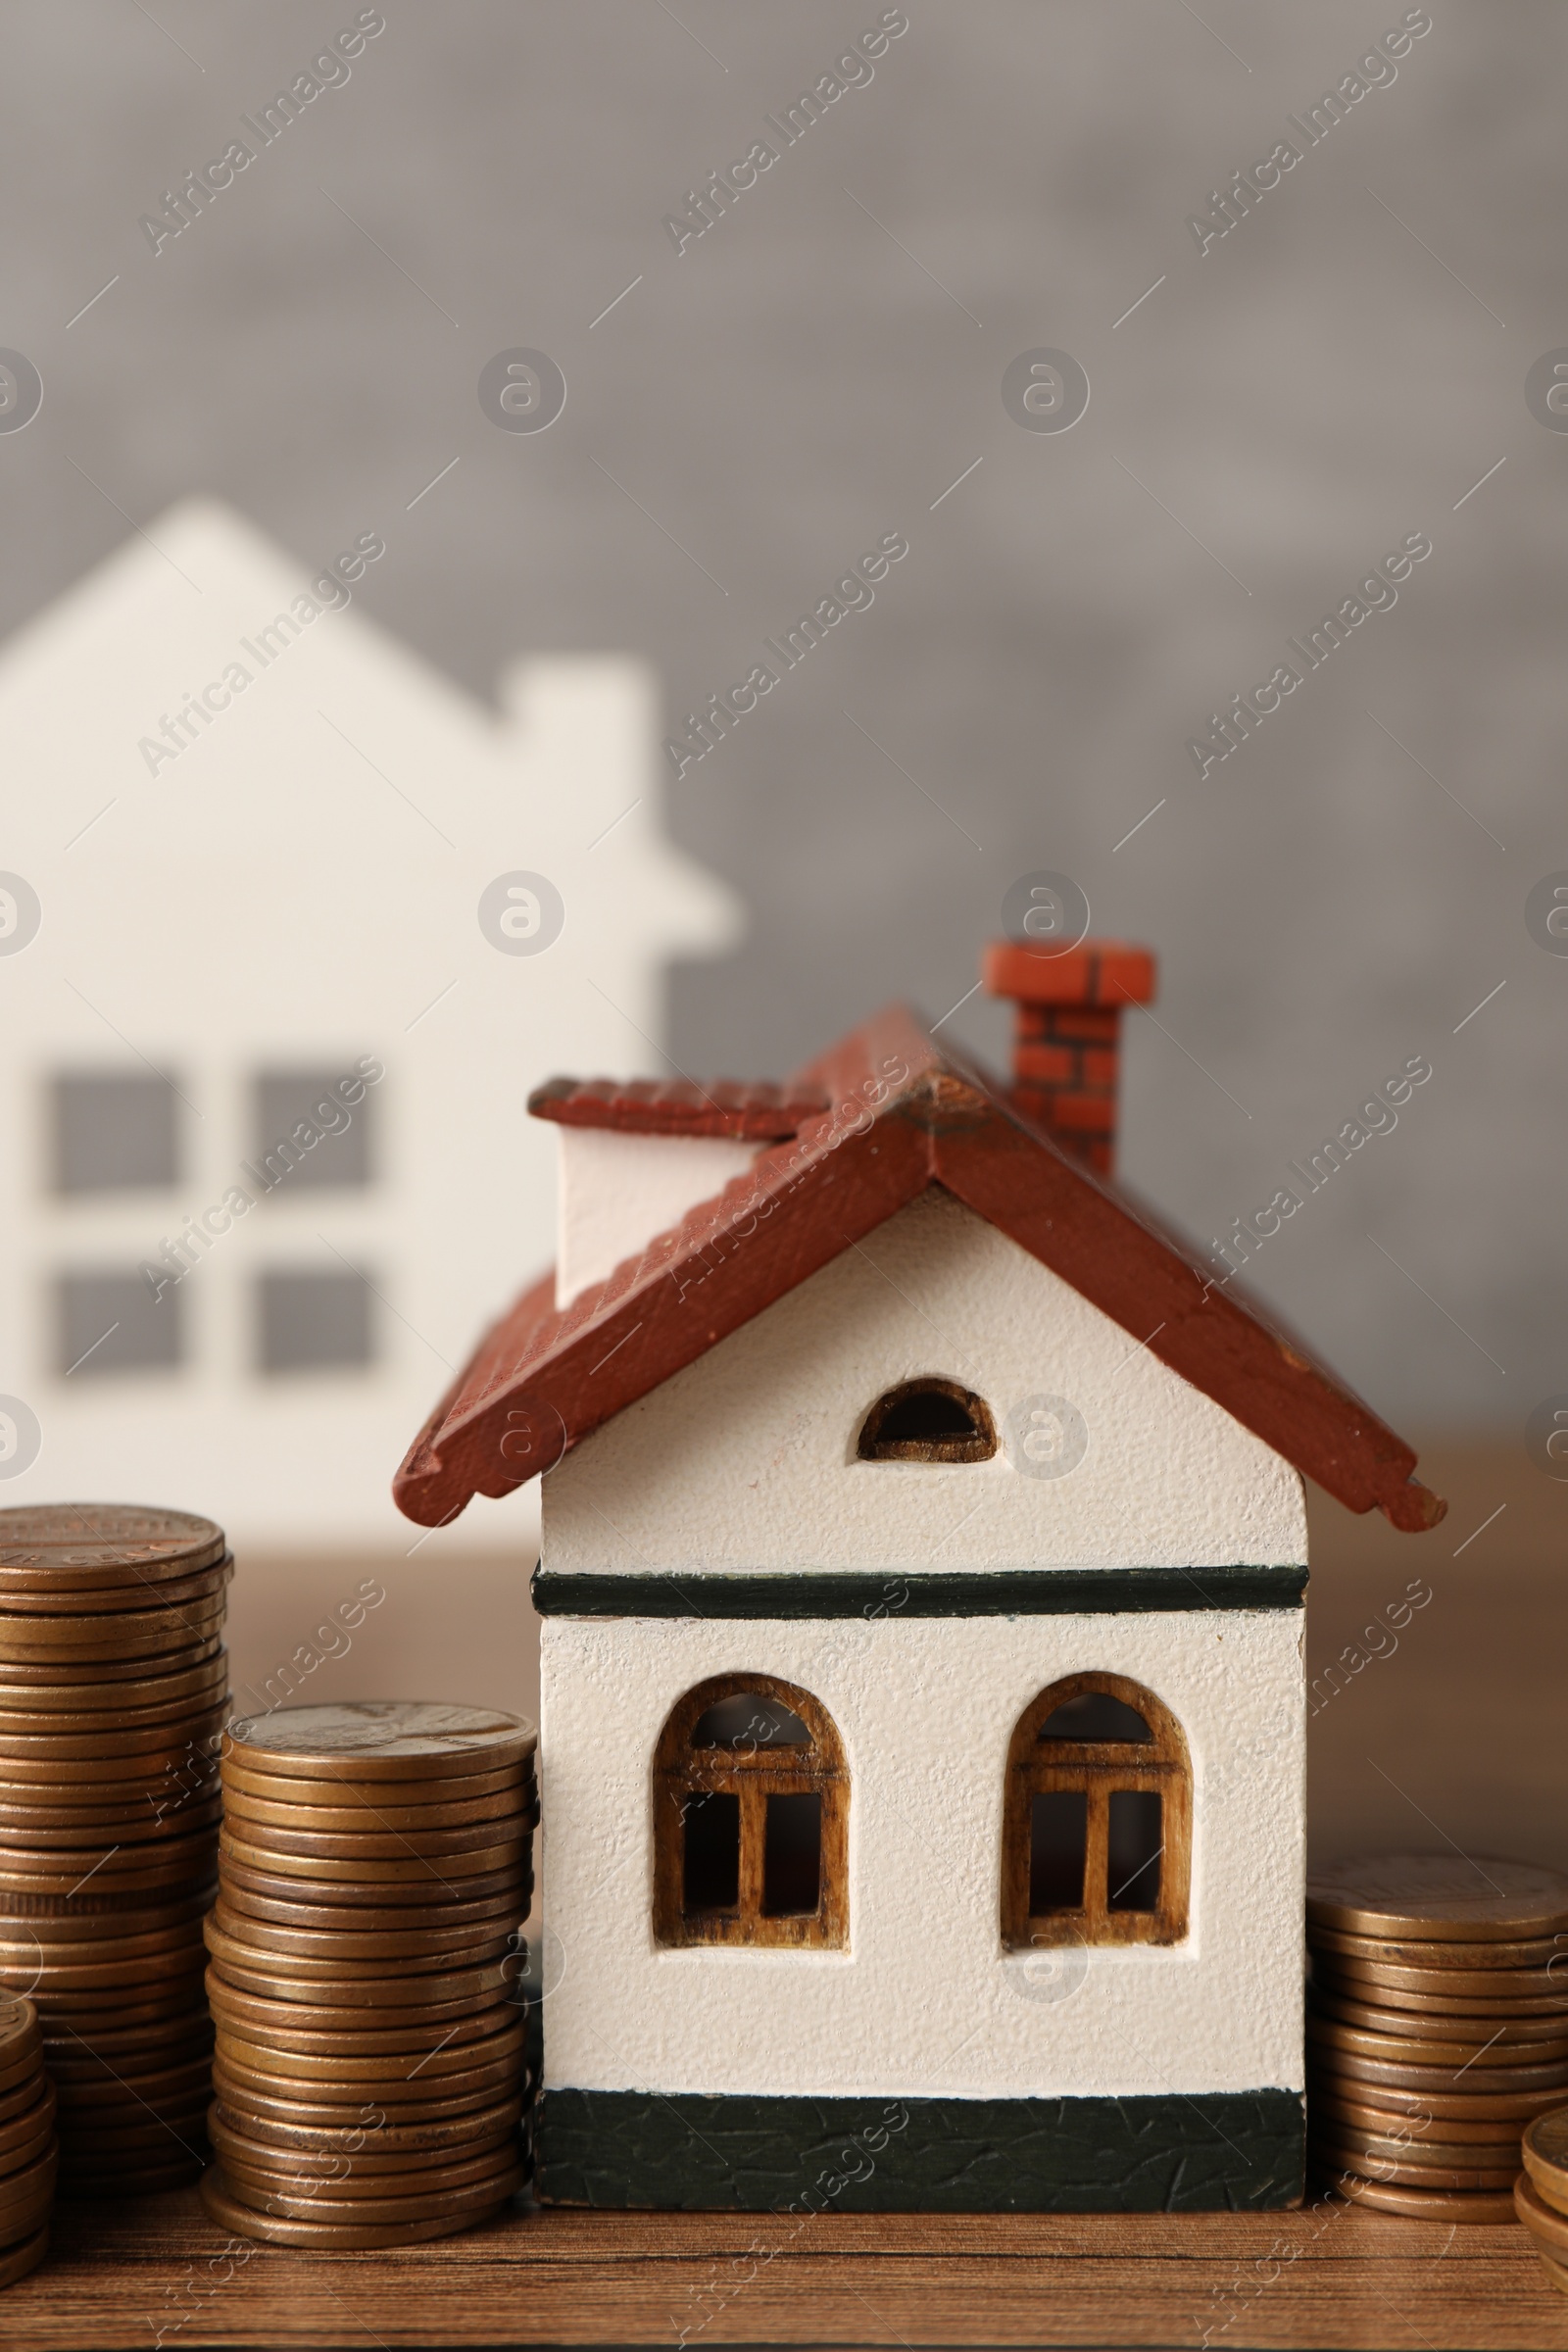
(293, 1106)
(112, 1132)
(314, 1322)
(111, 1322)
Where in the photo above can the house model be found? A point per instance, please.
(924, 1560)
(263, 1066)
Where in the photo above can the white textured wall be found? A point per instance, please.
(746, 1459)
(924, 2003)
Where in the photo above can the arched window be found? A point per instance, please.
(928, 1420)
(1096, 1820)
(751, 1818)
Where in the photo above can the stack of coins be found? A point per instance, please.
(114, 1685)
(1540, 2192)
(375, 1867)
(28, 2150)
(1436, 2027)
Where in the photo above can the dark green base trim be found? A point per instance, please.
(884, 1593)
(1221, 2152)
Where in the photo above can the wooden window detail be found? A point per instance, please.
(928, 1420)
(1098, 1818)
(751, 1818)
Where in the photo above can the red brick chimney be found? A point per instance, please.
(1067, 1040)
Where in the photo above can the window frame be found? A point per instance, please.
(1099, 1767)
(681, 1772)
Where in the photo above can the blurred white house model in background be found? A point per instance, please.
(280, 968)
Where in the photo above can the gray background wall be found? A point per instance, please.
(817, 370)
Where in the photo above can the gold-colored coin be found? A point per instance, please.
(515, 1780)
(390, 1739)
(1433, 2041)
(229, 2214)
(1465, 2205)
(1438, 1897)
(373, 2141)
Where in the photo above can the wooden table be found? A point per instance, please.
(1325, 2276)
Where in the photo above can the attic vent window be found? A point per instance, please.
(928, 1420)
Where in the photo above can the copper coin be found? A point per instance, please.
(366, 2159)
(29, 2214)
(361, 1861)
(1427, 2041)
(174, 1594)
(284, 1979)
(294, 1903)
(23, 2063)
(111, 1755)
(83, 1965)
(1545, 2154)
(17, 2261)
(21, 2096)
(410, 1820)
(1381, 1992)
(235, 2216)
(341, 2120)
(486, 1866)
(495, 2184)
(77, 2057)
(1442, 1897)
(1496, 1985)
(1451, 2105)
(91, 1915)
(135, 2091)
(29, 1707)
(380, 2142)
(135, 1632)
(318, 2179)
(102, 1540)
(314, 1949)
(390, 1739)
(154, 1795)
(515, 1780)
(89, 1837)
(296, 2042)
(1497, 2156)
(1377, 2167)
(1546, 2225)
(138, 1869)
(314, 2097)
(1345, 2052)
(19, 2028)
(178, 2128)
(39, 2117)
(1427, 2204)
(342, 2058)
(21, 1679)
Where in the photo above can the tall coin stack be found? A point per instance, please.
(113, 1686)
(1436, 2027)
(375, 1867)
(28, 2154)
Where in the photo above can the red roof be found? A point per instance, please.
(902, 1112)
(758, 1113)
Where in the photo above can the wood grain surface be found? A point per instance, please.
(1322, 2277)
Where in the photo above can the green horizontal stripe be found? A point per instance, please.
(1215, 2152)
(883, 1593)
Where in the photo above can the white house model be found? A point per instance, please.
(278, 962)
(923, 1728)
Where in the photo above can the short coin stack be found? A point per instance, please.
(375, 1867)
(1540, 2192)
(28, 2150)
(114, 1685)
(1436, 2027)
